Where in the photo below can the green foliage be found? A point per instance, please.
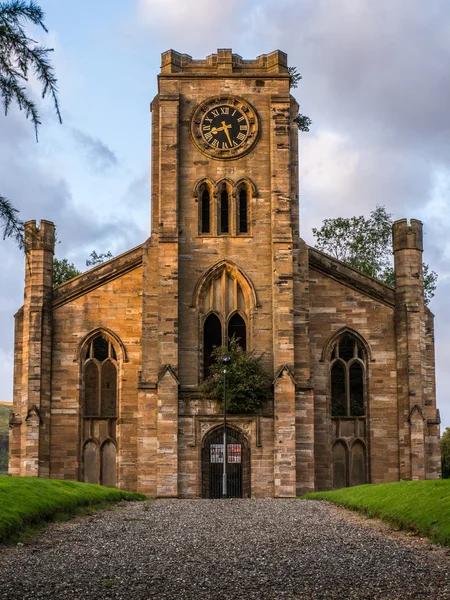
(63, 270)
(20, 55)
(11, 225)
(97, 259)
(445, 453)
(302, 122)
(366, 245)
(248, 386)
(419, 506)
(294, 77)
(26, 501)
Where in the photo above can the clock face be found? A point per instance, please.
(224, 127)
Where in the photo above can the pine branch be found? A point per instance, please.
(19, 54)
(11, 225)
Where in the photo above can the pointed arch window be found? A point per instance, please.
(242, 211)
(212, 337)
(238, 329)
(99, 409)
(205, 211)
(224, 211)
(347, 374)
(100, 379)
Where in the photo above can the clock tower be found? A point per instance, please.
(225, 258)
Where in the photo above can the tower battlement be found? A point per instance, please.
(407, 236)
(224, 61)
(40, 237)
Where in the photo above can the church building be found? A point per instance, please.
(109, 366)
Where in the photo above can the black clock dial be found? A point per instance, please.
(224, 127)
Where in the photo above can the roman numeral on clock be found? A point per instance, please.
(241, 137)
(215, 143)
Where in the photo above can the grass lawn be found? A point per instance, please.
(420, 506)
(26, 503)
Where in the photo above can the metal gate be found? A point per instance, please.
(238, 464)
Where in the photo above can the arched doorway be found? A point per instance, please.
(238, 464)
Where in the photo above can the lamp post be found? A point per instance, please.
(225, 360)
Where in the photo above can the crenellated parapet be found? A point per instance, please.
(224, 62)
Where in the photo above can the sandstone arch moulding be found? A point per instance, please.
(110, 336)
(223, 290)
(236, 273)
(328, 346)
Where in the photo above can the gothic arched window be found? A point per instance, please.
(205, 211)
(347, 373)
(212, 337)
(242, 212)
(100, 379)
(237, 328)
(99, 409)
(224, 211)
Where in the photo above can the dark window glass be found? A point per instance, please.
(100, 349)
(205, 212)
(109, 389)
(212, 337)
(346, 348)
(243, 224)
(356, 390)
(91, 389)
(224, 212)
(236, 327)
(338, 396)
(113, 353)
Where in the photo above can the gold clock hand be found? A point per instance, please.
(225, 128)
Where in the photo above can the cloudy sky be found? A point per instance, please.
(376, 83)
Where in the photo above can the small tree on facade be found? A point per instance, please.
(248, 385)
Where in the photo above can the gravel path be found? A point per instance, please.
(234, 549)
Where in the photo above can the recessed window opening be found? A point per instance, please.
(347, 376)
(243, 212)
(100, 379)
(205, 211)
(224, 212)
(212, 337)
(237, 328)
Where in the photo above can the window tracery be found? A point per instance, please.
(99, 408)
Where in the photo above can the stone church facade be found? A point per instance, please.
(109, 365)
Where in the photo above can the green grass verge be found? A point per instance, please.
(29, 502)
(419, 506)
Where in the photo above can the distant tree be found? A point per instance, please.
(20, 55)
(445, 453)
(63, 270)
(97, 259)
(302, 122)
(248, 385)
(366, 245)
